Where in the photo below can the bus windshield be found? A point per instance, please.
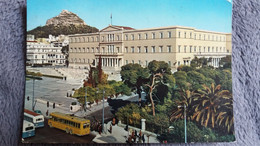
(85, 125)
(39, 119)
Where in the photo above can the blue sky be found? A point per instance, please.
(213, 15)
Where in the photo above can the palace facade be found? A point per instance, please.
(120, 45)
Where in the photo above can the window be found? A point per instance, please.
(84, 50)
(97, 38)
(212, 49)
(146, 49)
(87, 49)
(139, 49)
(179, 48)
(103, 38)
(199, 48)
(179, 34)
(161, 35)
(97, 50)
(126, 62)
(169, 34)
(126, 49)
(139, 36)
(133, 49)
(79, 50)
(220, 49)
(208, 49)
(42, 56)
(169, 63)
(195, 36)
(146, 36)
(126, 37)
(200, 36)
(179, 63)
(190, 49)
(208, 37)
(133, 61)
(195, 49)
(103, 48)
(88, 39)
(160, 49)
(184, 49)
(71, 49)
(117, 49)
(153, 49)
(153, 35)
(117, 37)
(169, 49)
(133, 37)
(191, 35)
(92, 39)
(204, 49)
(93, 50)
(184, 34)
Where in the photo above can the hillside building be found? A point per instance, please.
(119, 45)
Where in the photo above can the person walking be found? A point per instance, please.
(110, 128)
(143, 139)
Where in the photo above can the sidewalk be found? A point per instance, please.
(119, 135)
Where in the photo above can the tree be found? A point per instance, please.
(225, 62)
(208, 103)
(160, 72)
(65, 51)
(134, 76)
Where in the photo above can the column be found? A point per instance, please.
(143, 124)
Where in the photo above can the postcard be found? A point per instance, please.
(133, 71)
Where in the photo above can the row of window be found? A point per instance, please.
(194, 49)
(81, 60)
(154, 35)
(50, 56)
(152, 49)
(199, 36)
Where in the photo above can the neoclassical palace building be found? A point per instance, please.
(120, 45)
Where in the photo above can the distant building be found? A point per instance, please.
(44, 54)
(119, 45)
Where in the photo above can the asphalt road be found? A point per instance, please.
(53, 135)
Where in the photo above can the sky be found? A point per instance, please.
(212, 15)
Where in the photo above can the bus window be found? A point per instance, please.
(28, 128)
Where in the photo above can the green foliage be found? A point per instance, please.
(194, 133)
(226, 62)
(120, 88)
(45, 31)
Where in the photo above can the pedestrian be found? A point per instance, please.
(99, 129)
(140, 134)
(47, 112)
(110, 128)
(135, 133)
(143, 139)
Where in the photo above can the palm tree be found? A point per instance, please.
(208, 103)
(177, 112)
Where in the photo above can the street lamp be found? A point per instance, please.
(103, 112)
(85, 99)
(185, 124)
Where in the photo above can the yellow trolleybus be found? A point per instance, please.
(69, 123)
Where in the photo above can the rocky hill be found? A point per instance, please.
(65, 18)
(65, 23)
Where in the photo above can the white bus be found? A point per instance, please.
(36, 119)
(28, 129)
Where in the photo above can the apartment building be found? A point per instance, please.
(120, 45)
